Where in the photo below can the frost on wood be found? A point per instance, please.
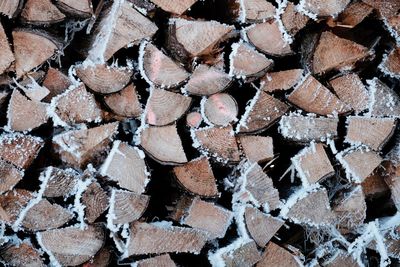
(125, 102)
(9, 176)
(21, 254)
(275, 255)
(220, 109)
(175, 7)
(257, 148)
(391, 64)
(281, 80)
(324, 8)
(95, 201)
(61, 182)
(383, 101)
(256, 11)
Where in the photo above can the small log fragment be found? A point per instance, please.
(76, 247)
(281, 80)
(165, 107)
(125, 102)
(374, 186)
(19, 149)
(39, 12)
(217, 142)
(383, 101)
(12, 203)
(197, 177)
(6, 56)
(391, 63)
(353, 15)
(56, 82)
(340, 259)
(343, 55)
(194, 119)
(247, 63)
(78, 147)
(95, 200)
(372, 132)
(104, 79)
(261, 113)
(126, 166)
(276, 256)
(101, 259)
(324, 8)
(34, 91)
(22, 254)
(256, 11)
(81, 9)
(220, 109)
(293, 20)
(207, 80)
(162, 237)
(241, 252)
(163, 144)
(312, 96)
(126, 207)
(174, 7)
(10, 7)
(268, 38)
(257, 148)
(9, 176)
(162, 260)
(262, 227)
(350, 89)
(31, 49)
(61, 182)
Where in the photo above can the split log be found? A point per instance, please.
(324, 8)
(207, 80)
(71, 246)
(81, 9)
(383, 101)
(34, 91)
(158, 69)
(293, 20)
(247, 63)
(7, 56)
(38, 12)
(174, 7)
(261, 113)
(79, 147)
(241, 252)
(385, 8)
(126, 207)
(373, 132)
(104, 79)
(392, 179)
(312, 164)
(312, 96)
(262, 227)
(197, 177)
(9, 176)
(219, 143)
(256, 11)
(194, 119)
(125, 102)
(31, 49)
(350, 90)
(339, 259)
(165, 107)
(12, 204)
(393, 24)
(162, 237)
(296, 127)
(61, 182)
(220, 109)
(257, 148)
(391, 63)
(163, 144)
(353, 15)
(126, 166)
(281, 80)
(162, 260)
(3, 98)
(10, 7)
(56, 82)
(101, 259)
(374, 186)
(275, 256)
(22, 254)
(95, 200)
(343, 55)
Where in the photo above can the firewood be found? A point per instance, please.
(247, 63)
(393, 24)
(126, 166)
(194, 119)
(261, 113)
(10, 7)
(312, 164)
(7, 56)
(324, 8)
(217, 142)
(296, 127)
(293, 20)
(34, 91)
(95, 200)
(385, 8)
(71, 245)
(41, 12)
(374, 186)
(19, 149)
(104, 79)
(175, 7)
(343, 55)
(165, 107)
(3, 98)
(158, 69)
(125, 102)
(342, 258)
(21, 254)
(163, 144)
(350, 89)
(372, 132)
(162, 260)
(268, 38)
(281, 80)
(392, 179)
(353, 15)
(61, 182)
(275, 256)
(168, 238)
(9, 176)
(262, 227)
(312, 96)
(101, 259)
(197, 177)
(257, 148)
(256, 11)
(12, 203)
(383, 101)
(391, 63)
(56, 82)
(31, 49)
(81, 9)
(207, 80)
(220, 109)
(240, 252)
(78, 147)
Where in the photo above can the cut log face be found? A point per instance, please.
(281, 80)
(56, 82)
(262, 112)
(257, 148)
(148, 238)
(268, 38)
(262, 227)
(314, 97)
(373, 132)
(344, 54)
(325, 8)
(12, 203)
(194, 119)
(165, 107)
(127, 206)
(293, 20)
(75, 8)
(246, 62)
(207, 80)
(61, 182)
(9, 176)
(217, 142)
(393, 24)
(296, 127)
(34, 91)
(7, 56)
(353, 15)
(239, 253)
(350, 89)
(385, 8)
(275, 256)
(383, 101)
(41, 12)
(162, 260)
(175, 7)
(392, 180)
(197, 177)
(31, 49)
(159, 69)
(374, 186)
(163, 144)
(104, 79)
(125, 165)
(125, 102)
(312, 164)
(95, 200)
(341, 258)
(220, 109)
(101, 259)
(256, 11)
(22, 254)
(10, 7)
(391, 63)
(77, 245)
(208, 217)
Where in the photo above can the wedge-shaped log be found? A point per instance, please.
(22, 254)
(10, 7)
(12, 203)
(56, 82)
(353, 15)
(257, 148)
(39, 12)
(6, 56)
(220, 109)
(174, 7)
(293, 20)
(391, 63)
(256, 11)
(9, 176)
(383, 101)
(162, 260)
(126, 207)
(61, 182)
(281, 80)
(81, 9)
(275, 256)
(95, 200)
(324, 8)
(125, 102)
(241, 252)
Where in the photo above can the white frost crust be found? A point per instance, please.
(142, 51)
(216, 259)
(301, 7)
(78, 207)
(143, 125)
(350, 174)
(202, 112)
(240, 188)
(249, 108)
(282, 4)
(242, 11)
(111, 215)
(392, 31)
(232, 55)
(296, 161)
(107, 162)
(385, 70)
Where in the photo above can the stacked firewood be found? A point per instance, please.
(199, 133)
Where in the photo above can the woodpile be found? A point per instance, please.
(229, 133)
